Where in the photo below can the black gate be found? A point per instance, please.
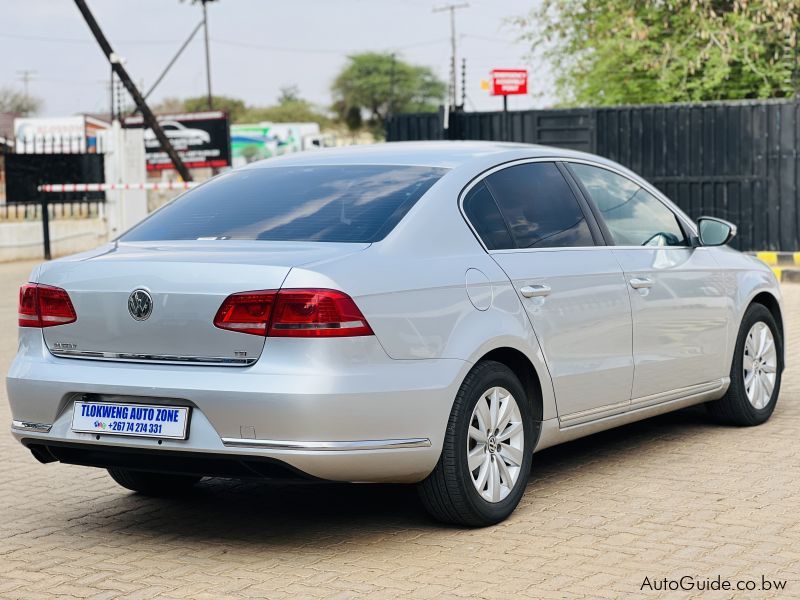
(735, 160)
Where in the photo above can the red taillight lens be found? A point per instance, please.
(44, 306)
(28, 309)
(247, 312)
(292, 313)
(317, 313)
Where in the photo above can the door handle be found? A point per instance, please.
(535, 291)
(639, 283)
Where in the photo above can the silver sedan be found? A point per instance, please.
(427, 313)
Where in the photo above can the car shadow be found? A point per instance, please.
(297, 513)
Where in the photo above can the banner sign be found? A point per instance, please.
(509, 82)
(202, 140)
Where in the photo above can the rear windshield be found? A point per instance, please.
(353, 203)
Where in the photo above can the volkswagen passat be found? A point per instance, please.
(424, 313)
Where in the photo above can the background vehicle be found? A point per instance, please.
(422, 313)
(178, 132)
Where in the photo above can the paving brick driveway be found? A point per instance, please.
(669, 497)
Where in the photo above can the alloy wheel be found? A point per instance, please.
(495, 444)
(759, 365)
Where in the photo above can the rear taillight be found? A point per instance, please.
(248, 312)
(293, 313)
(316, 313)
(44, 306)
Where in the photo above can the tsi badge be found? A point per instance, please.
(140, 304)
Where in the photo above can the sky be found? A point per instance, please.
(257, 47)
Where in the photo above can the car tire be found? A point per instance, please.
(451, 492)
(749, 400)
(153, 484)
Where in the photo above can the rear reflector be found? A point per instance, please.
(293, 313)
(44, 306)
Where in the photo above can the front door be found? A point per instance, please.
(677, 292)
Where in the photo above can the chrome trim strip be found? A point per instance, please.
(630, 175)
(691, 390)
(328, 446)
(579, 418)
(28, 426)
(595, 411)
(155, 358)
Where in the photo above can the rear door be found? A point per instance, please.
(572, 287)
(677, 292)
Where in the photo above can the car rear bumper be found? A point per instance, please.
(337, 409)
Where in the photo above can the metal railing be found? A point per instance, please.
(32, 211)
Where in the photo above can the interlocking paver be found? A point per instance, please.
(673, 496)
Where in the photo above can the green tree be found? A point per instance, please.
(233, 106)
(379, 84)
(607, 52)
(13, 101)
(291, 108)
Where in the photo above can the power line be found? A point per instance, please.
(64, 40)
(337, 51)
(453, 74)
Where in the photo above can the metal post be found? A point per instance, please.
(463, 83)
(208, 55)
(505, 118)
(453, 91)
(46, 227)
(111, 94)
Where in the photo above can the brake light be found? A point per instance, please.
(317, 313)
(44, 306)
(293, 313)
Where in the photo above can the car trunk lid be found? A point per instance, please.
(148, 302)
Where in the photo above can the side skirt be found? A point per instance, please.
(553, 433)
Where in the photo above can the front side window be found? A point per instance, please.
(537, 207)
(350, 203)
(632, 214)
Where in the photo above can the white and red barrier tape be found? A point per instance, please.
(107, 187)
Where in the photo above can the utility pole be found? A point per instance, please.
(453, 91)
(208, 54)
(118, 68)
(25, 77)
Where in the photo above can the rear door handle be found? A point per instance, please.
(535, 291)
(639, 283)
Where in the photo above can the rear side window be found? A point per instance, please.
(482, 212)
(632, 214)
(351, 203)
(538, 207)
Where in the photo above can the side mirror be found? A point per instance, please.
(715, 232)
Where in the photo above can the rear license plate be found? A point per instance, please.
(142, 420)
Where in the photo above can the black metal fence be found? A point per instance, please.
(735, 160)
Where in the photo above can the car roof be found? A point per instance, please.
(446, 154)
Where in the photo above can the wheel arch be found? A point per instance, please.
(525, 371)
(771, 303)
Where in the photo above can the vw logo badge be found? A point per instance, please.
(140, 304)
